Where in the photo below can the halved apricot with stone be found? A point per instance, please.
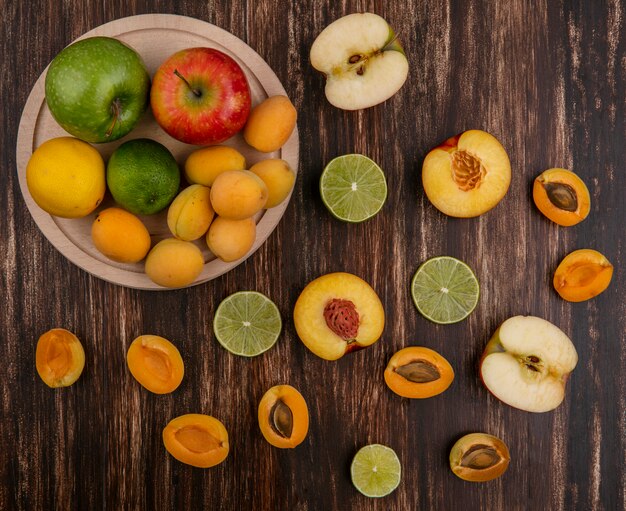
(582, 275)
(155, 363)
(418, 372)
(196, 439)
(283, 417)
(59, 358)
(561, 196)
(467, 175)
(479, 457)
(338, 313)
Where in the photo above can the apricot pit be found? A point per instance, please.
(59, 358)
(155, 363)
(561, 196)
(283, 417)
(582, 275)
(196, 439)
(479, 457)
(418, 372)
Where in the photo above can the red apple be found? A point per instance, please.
(200, 96)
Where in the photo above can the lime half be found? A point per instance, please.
(445, 290)
(247, 323)
(375, 470)
(353, 188)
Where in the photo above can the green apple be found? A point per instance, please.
(97, 89)
(362, 59)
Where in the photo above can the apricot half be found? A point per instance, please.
(59, 358)
(418, 372)
(196, 439)
(582, 275)
(561, 196)
(283, 417)
(479, 457)
(155, 363)
(467, 175)
(338, 313)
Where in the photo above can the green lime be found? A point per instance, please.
(353, 188)
(445, 290)
(247, 323)
(143, 176)
(375, 470)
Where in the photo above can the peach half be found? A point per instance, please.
(467, 175)
(338, 313)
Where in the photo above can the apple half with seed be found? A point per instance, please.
(527, 362)
(362, 59)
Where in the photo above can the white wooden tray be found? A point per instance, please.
(155, 37)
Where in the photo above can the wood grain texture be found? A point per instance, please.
(548, 78)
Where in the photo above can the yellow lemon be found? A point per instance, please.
(66, 177)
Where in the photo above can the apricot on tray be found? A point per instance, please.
(467, 175)
(196, 439)
(582, 275)
(59, 358)
(561, 196)
(338, 313)
(418, 372)
(283, 417)
(155, 363)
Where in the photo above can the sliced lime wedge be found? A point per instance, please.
(247, 323)
(445, 290)
(353, 188)
(375, 470)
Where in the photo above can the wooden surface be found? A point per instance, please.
(546, 77)
(72, 237)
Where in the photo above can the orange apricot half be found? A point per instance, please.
(196, 439)
(283, 417)
(59, 358)
(418, 373)
(582, 275)
(479, 457)
(155, 363)
(561, 196)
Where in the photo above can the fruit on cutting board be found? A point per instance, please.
(97, 89)
(204, 165)
(120, 235)
(65, 177)
(338, 313)
(270, 124)
(278, 177)
(362, 59)
(238, 194)
(418, 372)
(561, 196)
(376, 470)
(59, 358)
(174, 263)
(143, 176)
(479, 457)
(191, 213)
(200, 96)
(197, 440)
(467, 175)
(155, 363)
(231, 239)
(527, 362)
(582, 274)
(283, 417)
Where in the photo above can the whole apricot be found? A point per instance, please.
(231, 239)
(277, 176)
(418, 372)
(561, 196)
(59, 358)
(204, 165)
(120, 235)
(197, 440)
(283, 417)
(238, 194)
(191, 213)
(155, 363)
(582, 274)
(270, 124)
(174, 263)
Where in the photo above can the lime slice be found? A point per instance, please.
(445, 290)
(375, 470)
(353, 188)
(247, 323)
